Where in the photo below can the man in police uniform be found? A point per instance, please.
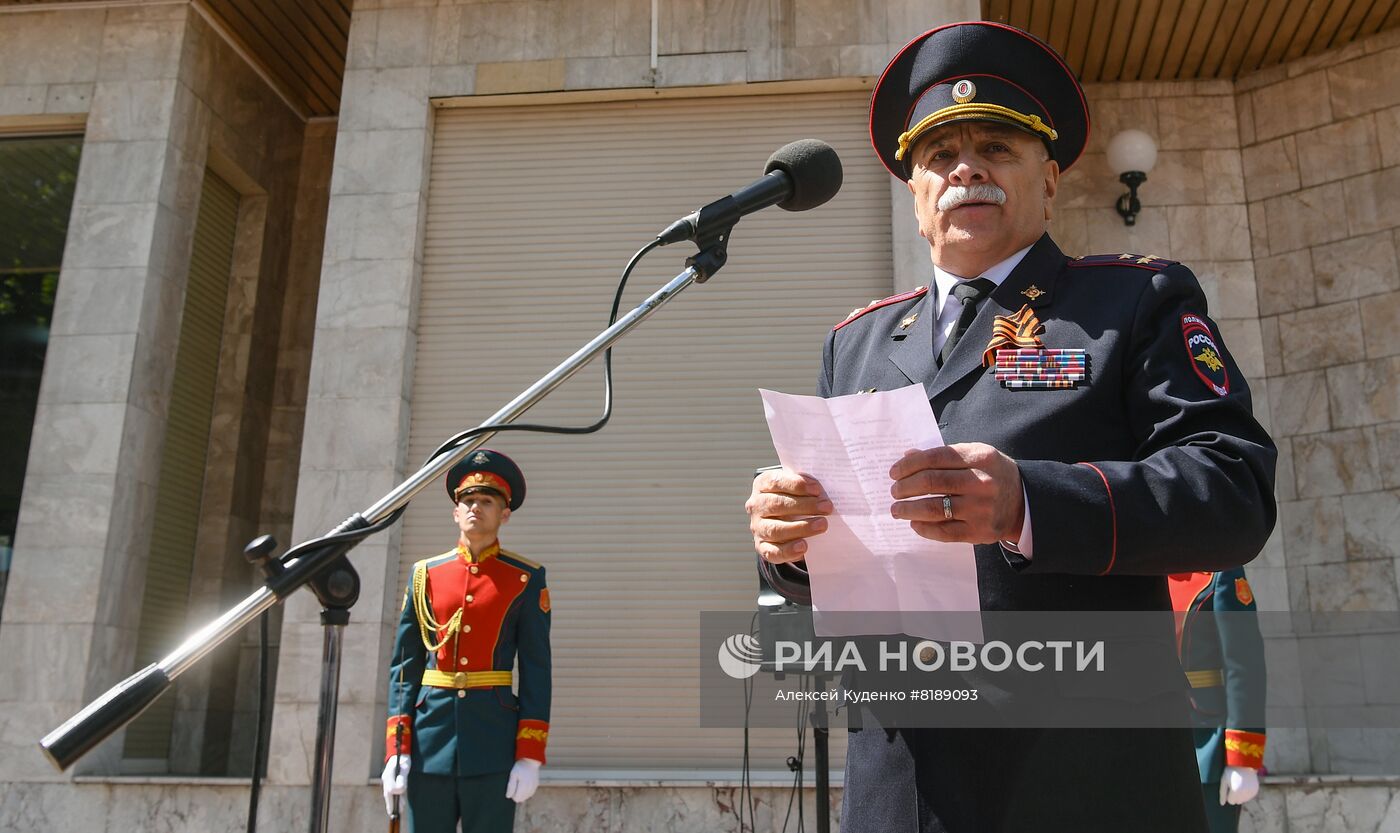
(467, 747)
(1099, 437)
(1222, 653)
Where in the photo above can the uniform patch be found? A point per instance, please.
(544, 599)
(1204, 354)
(1242, 592)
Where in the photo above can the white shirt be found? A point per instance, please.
(947, 317)
(944, 281)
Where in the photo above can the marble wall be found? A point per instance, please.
(1277, 189)
(1334, 804)
(160, 96)
(89, 489)
(1321, 166)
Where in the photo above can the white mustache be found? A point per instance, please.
(956, 195)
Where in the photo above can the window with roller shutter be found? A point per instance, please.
(532, 213)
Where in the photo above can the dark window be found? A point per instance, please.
(37, 175)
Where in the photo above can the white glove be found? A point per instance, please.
(394, 785)
(1238, 784)
(524, 780)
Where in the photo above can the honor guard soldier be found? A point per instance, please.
(460, 743)
(1099, 438)
(1222, 653)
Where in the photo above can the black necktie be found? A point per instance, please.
(971, 294)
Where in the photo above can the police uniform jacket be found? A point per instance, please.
(1222, 653)
(1152, 464)
(465, 620)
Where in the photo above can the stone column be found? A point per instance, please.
(73, 603)
(356, 426)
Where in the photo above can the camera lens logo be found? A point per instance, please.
(740, 656)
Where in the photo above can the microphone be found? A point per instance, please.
(798, 176)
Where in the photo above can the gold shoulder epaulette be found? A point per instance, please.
(534, 565)
(428, 562)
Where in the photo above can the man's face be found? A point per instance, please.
(480, 514)
(957, 171)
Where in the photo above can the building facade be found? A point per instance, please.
(309, 284)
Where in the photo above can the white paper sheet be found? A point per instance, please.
(868, 561)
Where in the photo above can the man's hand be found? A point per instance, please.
(784, 509)
(983, 486)
(1238, 784)
(524, 780)
(394, 785)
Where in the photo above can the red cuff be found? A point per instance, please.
(394, 741)
(1244, 749)
(530, 739)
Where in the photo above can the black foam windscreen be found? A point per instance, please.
(814, 169)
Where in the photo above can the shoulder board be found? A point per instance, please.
(1150, 262)
(435, 560)
(883, 302)
(518, 560)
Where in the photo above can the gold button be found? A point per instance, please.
(524, 579)
(466, 629)
(475, 569)
(462, 661)
(469, 597)
(461, 694)
(460, 679)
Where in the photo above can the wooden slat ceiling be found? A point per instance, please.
(299, 44)
(1163, 40)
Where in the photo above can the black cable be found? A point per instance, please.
(259, 741)
(745, 776)
(797, 762)
(459, 439)
(355, 535)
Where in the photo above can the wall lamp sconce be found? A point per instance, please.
(1131, 155)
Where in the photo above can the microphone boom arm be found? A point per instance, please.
(126, 700)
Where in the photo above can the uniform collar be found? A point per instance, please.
(464, 552)
(945, 280)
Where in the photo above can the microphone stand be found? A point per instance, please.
(325, 568)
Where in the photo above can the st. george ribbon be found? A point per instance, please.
(798, 176)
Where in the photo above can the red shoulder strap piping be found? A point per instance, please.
(883, 302)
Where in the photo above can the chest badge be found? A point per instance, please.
(1023, 362)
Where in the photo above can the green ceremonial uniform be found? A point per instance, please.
(467, 619)
(1222, 653)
